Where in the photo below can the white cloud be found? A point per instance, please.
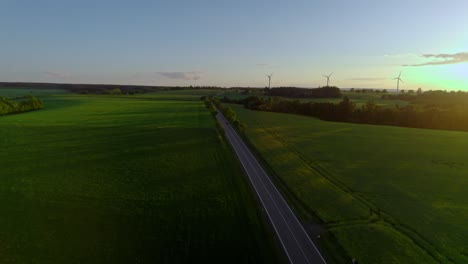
(56, 74)
(187, 76)
(443, 59)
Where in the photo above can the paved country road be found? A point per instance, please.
(296, 243)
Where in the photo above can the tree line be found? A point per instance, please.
(433, 98)
(227, 111)
(20, 105)
(323, 92)
(432, 114)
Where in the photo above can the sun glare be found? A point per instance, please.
(437, 77)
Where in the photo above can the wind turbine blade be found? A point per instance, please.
(399, 75)
(330, 74)
(402, 81)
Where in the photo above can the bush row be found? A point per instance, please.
(228, 113)
(25, 104)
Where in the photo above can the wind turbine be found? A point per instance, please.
(398, 83)
(269, 80)
(328, 78)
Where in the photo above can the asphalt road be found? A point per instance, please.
(296, 243)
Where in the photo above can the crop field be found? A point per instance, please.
(117, 179)
(386, 194)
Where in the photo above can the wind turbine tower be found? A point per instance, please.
(269, 80)
(328, 78)
(398, 83)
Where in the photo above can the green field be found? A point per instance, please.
(125, 179)
(386, 194)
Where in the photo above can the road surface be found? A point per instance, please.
(296, 243)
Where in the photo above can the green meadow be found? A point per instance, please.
(125, 179)
(385, 194)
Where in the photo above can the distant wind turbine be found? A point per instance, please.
(269, 80)
(328, 78)
(398, 83)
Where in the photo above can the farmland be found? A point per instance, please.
(125, 179)
(385, 194)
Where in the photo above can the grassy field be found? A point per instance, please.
(117, 179)
(387, 194)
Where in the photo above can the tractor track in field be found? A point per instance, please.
(382, 216)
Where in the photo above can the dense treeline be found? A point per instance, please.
(354, 90)
(432, 98)
(25, 104)
(324, 92)
(431, 115)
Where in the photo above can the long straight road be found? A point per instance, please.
(296, 243)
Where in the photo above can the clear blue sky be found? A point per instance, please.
(235, 43)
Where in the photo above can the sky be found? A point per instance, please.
(365, 43)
